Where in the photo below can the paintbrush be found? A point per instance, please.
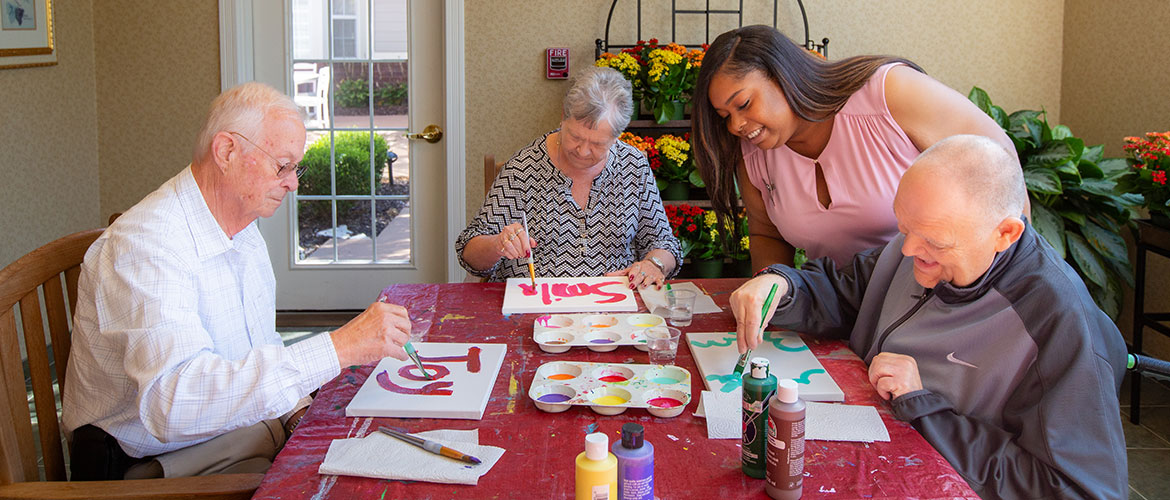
(531, 265)
(743, 358)
(431, 446)
(414, 357)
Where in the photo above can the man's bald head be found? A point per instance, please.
(988, 178)
(958, 205)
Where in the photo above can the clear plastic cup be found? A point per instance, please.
(681, 304)
(662, 342)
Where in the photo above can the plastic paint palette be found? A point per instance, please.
(599, 332)
(609, 389)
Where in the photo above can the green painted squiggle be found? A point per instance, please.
(778, 341)
(730, 381)
(715, 343)
(803, 378)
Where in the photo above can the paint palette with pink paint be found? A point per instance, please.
(609, 388)
(599, 332)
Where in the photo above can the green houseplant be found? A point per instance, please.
(1076, 205)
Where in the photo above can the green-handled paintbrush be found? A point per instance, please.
(743, 358)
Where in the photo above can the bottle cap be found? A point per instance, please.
(759, 367)
(596, 446)
(786, 390)
(632, 435)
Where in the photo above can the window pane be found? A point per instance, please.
(391, 95)
(352, 162)
(390, 29)
(351, 95)
(314, 227)
(394, 215)
(345, 38)
(311, 82)
(308, 29)
(316, 179)
(353, 233)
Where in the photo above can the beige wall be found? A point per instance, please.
(154, 84)
(48, 141)
(1114, 86)
(1011, 49)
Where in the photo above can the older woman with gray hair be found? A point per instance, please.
(590, 200)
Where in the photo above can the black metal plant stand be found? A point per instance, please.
(1149, 238)
(603, 45)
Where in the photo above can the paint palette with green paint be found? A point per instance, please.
(611, 388)
(558, 333)
(716, 355)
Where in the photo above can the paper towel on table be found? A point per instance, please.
(724, 413)
(385, 457)
(838, 422)
(655, 300)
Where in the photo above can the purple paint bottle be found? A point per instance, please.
(635, 459)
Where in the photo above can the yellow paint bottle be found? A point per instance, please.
(596, 470)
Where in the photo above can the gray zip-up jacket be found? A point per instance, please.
(1020, 370)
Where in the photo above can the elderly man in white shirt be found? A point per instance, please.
(176, 367)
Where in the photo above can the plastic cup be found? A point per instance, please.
(681, 304)
(662, 342)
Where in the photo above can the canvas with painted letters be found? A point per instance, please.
(716, 354)
(463, 377)
(569, 295)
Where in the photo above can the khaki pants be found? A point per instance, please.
(248, 449)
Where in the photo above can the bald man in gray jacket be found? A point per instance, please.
(985, 340)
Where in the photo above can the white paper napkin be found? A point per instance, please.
(381, 456)
(838, 422)
(724, 413)
(656, 299)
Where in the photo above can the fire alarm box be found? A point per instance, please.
(557, 63)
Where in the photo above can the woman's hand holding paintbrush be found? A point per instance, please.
(747, 303)
(513, 242)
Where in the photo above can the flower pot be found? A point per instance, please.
(741, 268)
(665, 111)
(676, 191)
(712, 268)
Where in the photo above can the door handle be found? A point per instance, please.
(432, 134)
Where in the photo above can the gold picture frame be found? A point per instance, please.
(26, 34)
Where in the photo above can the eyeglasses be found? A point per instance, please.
(283, 168)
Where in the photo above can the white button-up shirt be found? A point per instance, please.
(174, 338)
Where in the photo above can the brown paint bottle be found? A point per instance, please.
(784, 455)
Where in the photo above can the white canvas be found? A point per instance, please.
(716, 355)
(569, 295)
(463, 378)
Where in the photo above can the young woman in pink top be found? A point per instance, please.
(818, 147)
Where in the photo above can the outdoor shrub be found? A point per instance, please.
(353, 93)
(353, 164)
(391, 94)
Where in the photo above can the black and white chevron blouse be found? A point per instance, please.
(623, 222)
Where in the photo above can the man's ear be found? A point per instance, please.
(223, 147)
(1008, 232)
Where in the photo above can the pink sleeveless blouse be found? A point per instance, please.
(865, 158)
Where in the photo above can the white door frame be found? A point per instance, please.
(236, 58)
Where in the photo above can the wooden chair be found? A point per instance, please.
(41, 270)
(490, 170)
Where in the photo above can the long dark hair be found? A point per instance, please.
(815, 90)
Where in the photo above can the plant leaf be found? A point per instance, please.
(1099, 187)
(1108, 298)
(1089, 169)
(981, 99)
(696, 179)
(1094, 153)
(1052, 154)
(1114, 167)
(1000, 116)
(1049, 225)
(662, 183)
(1109, 244)
(1061, 132)
(1044, 181)
(1088, 262)
(1075, 216)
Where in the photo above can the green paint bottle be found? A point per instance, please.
(758, 387)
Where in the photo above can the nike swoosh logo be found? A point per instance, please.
(951, 357)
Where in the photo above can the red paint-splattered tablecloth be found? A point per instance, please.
(541, 447)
